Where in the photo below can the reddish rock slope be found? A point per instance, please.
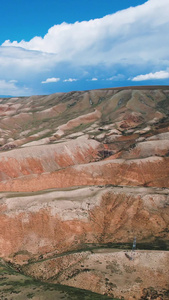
(83, 169)
(59, 221)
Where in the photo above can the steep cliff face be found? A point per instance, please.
(84, 169)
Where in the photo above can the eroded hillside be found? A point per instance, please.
(83, 170)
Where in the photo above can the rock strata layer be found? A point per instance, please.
(59, 221)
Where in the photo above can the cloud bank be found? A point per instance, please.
(130, 42)
(10, 88)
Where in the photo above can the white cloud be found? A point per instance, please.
(22, 64)
(130, 40)
(70, 80)
(13, 81)
(116, 77)
(49, 80)
(94, 79)
(156, 75)
(11, 89)
(131, 35)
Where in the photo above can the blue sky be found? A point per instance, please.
(58, 46)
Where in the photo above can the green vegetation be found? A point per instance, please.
(14, 285)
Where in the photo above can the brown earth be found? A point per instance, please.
(109, 272)
(82, 169)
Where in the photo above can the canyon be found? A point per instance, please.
(81, 175)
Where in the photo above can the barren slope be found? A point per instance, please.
(83, 170)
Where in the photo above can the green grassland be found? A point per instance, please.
(14, 285)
